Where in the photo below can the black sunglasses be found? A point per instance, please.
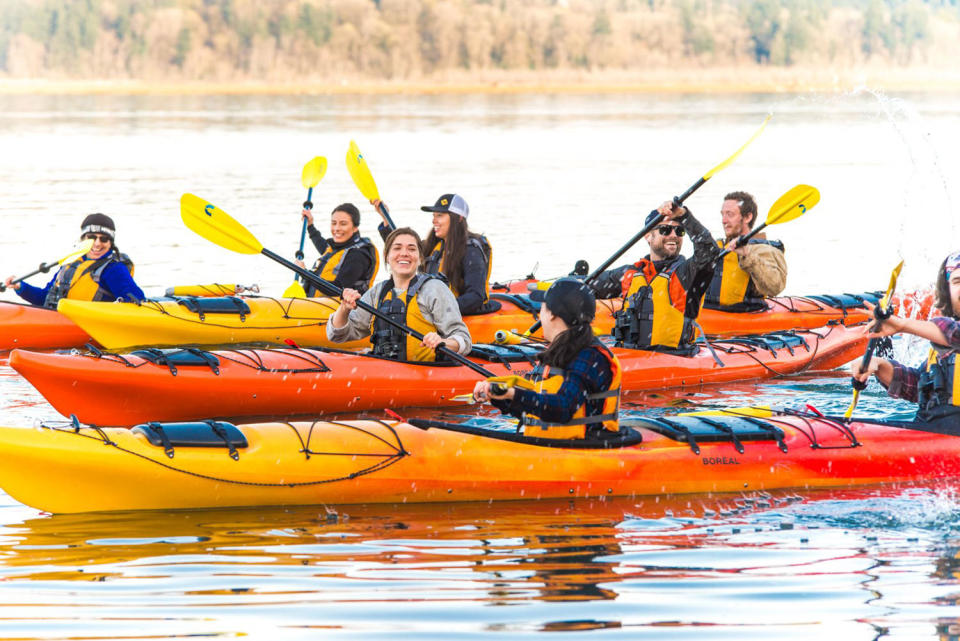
(103, 238)
(666, 229)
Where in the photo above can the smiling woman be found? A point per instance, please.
(103, 274)
(347, 259)
(409, 297)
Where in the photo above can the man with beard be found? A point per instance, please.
(663, 290)
(746, 276)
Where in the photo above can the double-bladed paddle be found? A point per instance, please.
(312, 173)
(678, 200)
(217, 226)
(81, 250)
(363, 179)
(882, 311)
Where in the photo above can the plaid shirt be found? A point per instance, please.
(589, 373)
(905, 379)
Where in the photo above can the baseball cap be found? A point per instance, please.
(449, 204)
(569, 298)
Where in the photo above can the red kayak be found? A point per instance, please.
(186, 384)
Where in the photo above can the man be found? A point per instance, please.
(103, 274)
(662, 291)
(745, 277)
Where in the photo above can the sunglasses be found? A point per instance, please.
(665, 230)
(103, 238)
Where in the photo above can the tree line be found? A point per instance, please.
(290, 40)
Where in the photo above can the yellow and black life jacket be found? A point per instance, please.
(653, 314)
(434, 264)
(732, 289)
(938, 390)
(80, 280)
(329, 263)
(606, 418)
(393, 343)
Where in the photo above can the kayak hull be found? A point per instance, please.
(105, 469)
(299, 382)
(32, 327)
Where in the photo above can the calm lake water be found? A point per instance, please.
(549, 179)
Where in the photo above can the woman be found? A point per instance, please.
(931, 385)
(409, 297)
(452, 250)
(347, 259)
(102, 274)
(580, 391)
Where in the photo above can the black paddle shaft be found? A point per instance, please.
(43, 269)
(881, 315)
(332, 290)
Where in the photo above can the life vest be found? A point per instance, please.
(434, 264)
(329, 263)
(551, 381)
(938, 390)
(732, 286)
(393, 343)
(80, 280)
(653, 309)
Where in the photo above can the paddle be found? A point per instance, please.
(657, 219)
(882, 311)
(363, 179)
(312, 173)
(81, 250)
(214, 224)
(791, 205)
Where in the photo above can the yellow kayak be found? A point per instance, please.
(233, 320)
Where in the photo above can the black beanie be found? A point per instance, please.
(98, 224)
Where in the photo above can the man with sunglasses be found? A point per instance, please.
(663, 290)
(746, 276)
(103, 274)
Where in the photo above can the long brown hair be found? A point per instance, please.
(943, 303)
(454, 247)
(565, 347)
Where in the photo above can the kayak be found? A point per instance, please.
(72, 468)
(37, 328)
(231, 320)
(171, 385)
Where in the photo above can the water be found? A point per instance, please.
(549, 179)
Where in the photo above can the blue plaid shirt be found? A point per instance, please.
(588, 373)
(905, 379)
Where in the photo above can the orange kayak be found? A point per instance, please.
(37, 328)
(72, 468)
(172, 385)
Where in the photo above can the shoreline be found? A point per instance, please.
(718, 81)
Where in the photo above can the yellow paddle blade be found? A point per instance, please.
(893, 285)
(760, 411)
(81, 250)
(313, 171)
(295, 290)
(853, 404)
(362, 178)
(793, 204)
(217, 226)
(729, 160)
